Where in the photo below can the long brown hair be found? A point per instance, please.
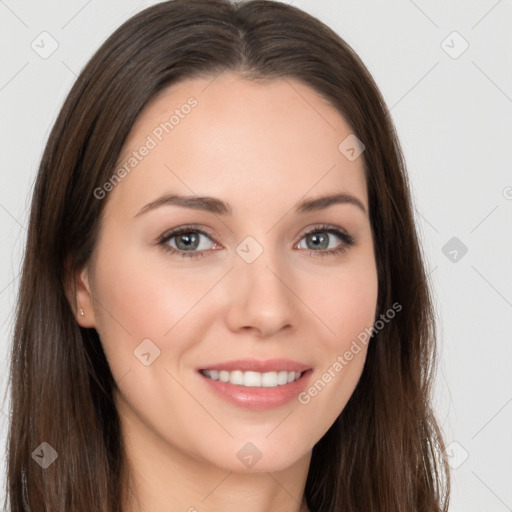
(385, 451)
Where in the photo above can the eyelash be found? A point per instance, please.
(347, 241)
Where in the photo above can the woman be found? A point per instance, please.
(223, 301)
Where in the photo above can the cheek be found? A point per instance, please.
(354, 309)
(345, 302)
(136, 300)
(143, 293)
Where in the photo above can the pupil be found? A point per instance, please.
(317, 238)
(189, 238)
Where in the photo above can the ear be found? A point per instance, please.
(79, 295)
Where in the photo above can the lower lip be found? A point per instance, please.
(258, 398)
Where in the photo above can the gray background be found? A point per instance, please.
(452, 107)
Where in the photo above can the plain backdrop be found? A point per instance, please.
(444, 69)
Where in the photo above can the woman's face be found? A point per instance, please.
(244, 290)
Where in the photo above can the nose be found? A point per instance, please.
(261, 297)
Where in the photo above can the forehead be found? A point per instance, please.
(227, 136)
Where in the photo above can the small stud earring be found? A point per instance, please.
(81, 312)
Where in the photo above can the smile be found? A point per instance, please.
(253, 379)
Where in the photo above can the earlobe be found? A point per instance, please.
(83, 299)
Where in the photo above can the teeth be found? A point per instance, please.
(236, 377)
(253, 379)
(282, 378)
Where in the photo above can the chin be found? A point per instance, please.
(259, 456)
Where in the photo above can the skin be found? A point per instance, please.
(262, 147)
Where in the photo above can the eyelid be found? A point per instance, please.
(325, 228)
(182, 229)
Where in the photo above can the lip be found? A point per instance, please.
(258, 365)
(258, 398)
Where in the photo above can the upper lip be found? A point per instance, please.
(258, 365)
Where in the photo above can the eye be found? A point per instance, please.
(320, 238)
(187, 242)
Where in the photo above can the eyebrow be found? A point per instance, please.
(219, 207)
